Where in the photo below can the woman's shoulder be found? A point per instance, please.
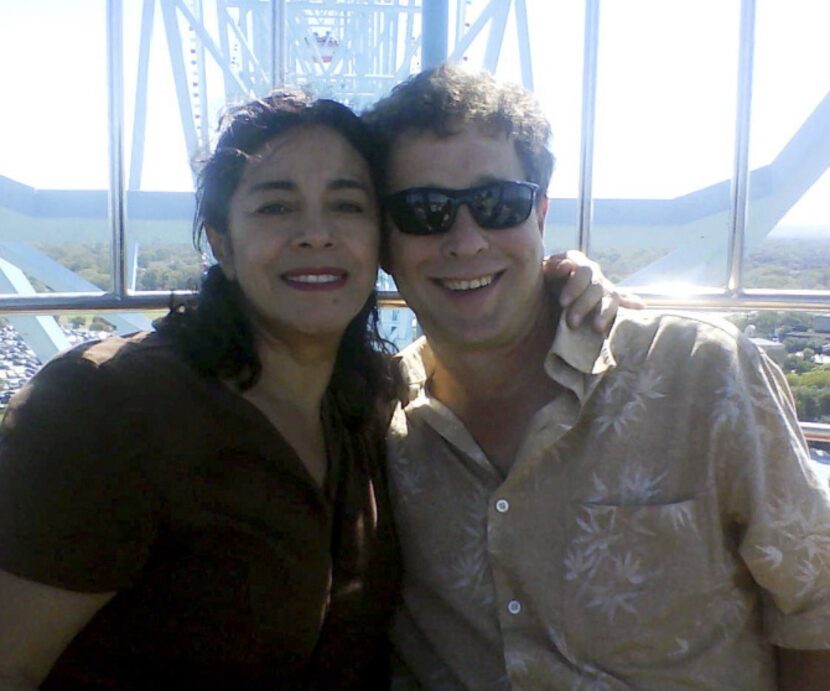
(146, 356)
(115, 375)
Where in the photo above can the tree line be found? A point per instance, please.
(774, 264)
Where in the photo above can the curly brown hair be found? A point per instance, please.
(445, 99)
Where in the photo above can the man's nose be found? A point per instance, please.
(465, 237)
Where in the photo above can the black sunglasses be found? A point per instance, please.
(432, 210)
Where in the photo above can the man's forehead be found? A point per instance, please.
(437, 158)
(448, 133)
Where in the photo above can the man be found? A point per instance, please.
(577, 512)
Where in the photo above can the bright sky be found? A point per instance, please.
(666, 99)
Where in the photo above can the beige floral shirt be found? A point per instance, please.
(661, 527)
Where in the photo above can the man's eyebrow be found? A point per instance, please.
(273, 185)
(480, 180)
(489, 179)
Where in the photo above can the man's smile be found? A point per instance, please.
(462, 284)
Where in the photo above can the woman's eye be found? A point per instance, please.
(273, 209)
(348, 207)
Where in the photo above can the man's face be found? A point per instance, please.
(469, 287)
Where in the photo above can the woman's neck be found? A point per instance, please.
(297, 372)
(289, 392)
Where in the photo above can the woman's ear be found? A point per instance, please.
(220, 245)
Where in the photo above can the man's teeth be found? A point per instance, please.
(315, 278)
(468, 284)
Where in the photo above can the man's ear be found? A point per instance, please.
(220, 245)
(542, 212)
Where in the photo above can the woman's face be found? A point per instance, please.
(303, 234)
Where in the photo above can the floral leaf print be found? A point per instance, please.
(729, 408)
(681, 517)
(609, 600)
(639, 486)
(410, 477)
(682, 647)
(808, 572)
(579, 563)
(772, 556)
(629, 569)
(626, 400)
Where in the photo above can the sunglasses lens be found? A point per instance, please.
(429, 211)
(421, 212)
(502, 205)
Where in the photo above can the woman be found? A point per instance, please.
(202, 503)
(203, 506)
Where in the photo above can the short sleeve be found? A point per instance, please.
(780, 504)
(76, 510)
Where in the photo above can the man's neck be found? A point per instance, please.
(496, 391)
(464, 376)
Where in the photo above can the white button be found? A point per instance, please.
(514, 607)
(502, 506)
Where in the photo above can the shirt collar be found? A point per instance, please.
(577, 359)
(416, 363)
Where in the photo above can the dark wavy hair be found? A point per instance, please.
(212, 330)
(444, 99)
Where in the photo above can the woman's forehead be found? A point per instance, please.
(304, 149)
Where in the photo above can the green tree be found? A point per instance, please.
(100, 324)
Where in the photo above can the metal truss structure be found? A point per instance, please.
(354, 51)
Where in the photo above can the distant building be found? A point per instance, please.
(822, 323)
(397, 324)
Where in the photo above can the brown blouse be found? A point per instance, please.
(121, 469)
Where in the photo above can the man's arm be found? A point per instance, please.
(37, 622)
(803, 670)
(586, 290)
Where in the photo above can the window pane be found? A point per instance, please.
(664, 140)
(53, 135)
(800, 343)
(788, 236)
(554, 34)
(175, 90)
(397, 325)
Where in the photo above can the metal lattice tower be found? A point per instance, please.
(352, 51)
(231, 50)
